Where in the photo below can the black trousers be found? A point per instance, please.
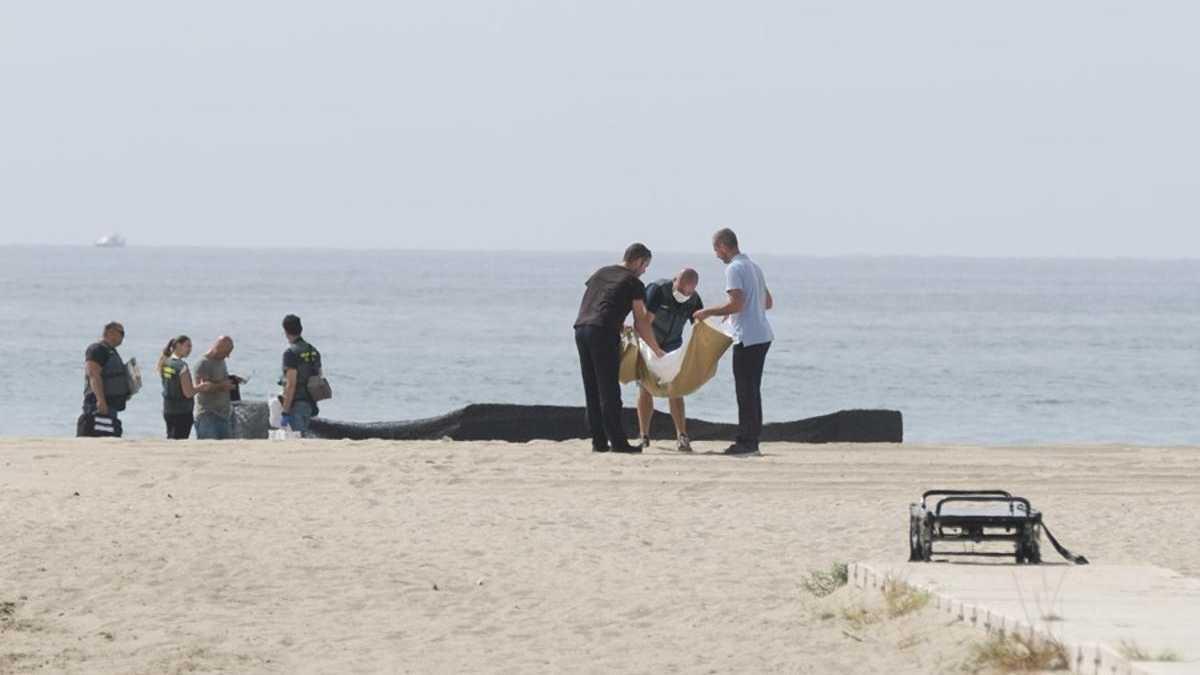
(748, 365)
(179, 425)
(600, 362)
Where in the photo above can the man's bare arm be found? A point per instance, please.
(211, 386)
(770, 300)
(642, 324)
(737, 299)
(289, 389)
(97, 384)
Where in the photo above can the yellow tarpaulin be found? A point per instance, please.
(703, 352)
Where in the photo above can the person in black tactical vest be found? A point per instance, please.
(671, 303)
(177, 387)
(301, 362)
(106, 386)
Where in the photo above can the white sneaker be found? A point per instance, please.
(684, 444)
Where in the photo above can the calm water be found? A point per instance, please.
(987, 351)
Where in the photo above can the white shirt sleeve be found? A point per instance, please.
(733, 278)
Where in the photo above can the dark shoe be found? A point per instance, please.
(628, 449)
(645, 442)
(599, 448)
(741, 449)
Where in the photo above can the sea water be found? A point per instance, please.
(989, 351)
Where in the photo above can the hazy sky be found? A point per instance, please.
(974, 128)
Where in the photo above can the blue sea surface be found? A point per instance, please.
(987, 351)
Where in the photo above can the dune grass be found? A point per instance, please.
(1019, 654)
(901, 599)
(859, 616)
(1134, 652)
(824, 582)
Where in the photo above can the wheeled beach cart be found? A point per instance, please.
(977, 516)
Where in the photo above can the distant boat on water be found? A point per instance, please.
(113, 240)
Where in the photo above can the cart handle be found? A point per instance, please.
(1012, 502)
(994, 493)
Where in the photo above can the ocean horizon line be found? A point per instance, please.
(661, 251)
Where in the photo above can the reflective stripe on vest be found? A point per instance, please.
(172, 386)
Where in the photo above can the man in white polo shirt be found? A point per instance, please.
(749, 300)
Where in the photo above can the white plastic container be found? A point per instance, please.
(275, 412)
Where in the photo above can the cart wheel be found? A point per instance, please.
(920, 539)
(925, 541)
(1033, 553)
(1028, 550)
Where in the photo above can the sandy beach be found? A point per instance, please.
(316, 556)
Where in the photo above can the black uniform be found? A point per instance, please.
(670, 315)
(177, 409)
(115, 379)
(606, 302)
(306, 360)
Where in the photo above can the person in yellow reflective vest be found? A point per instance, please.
(177, 389)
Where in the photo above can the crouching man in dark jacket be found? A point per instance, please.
(671, 304)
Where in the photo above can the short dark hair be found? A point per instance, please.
(726, 237)
(291, 325)
(637, 251)
(114, 325)
(689, 275)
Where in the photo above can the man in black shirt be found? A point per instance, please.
(612, 292)
(671, 304)
(301, 362)
(105, 385)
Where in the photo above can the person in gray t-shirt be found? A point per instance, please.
(749, 300)
(214, 409)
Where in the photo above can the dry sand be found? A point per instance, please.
(315, 556)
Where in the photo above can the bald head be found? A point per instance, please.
(687, 280)
(222, 348)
